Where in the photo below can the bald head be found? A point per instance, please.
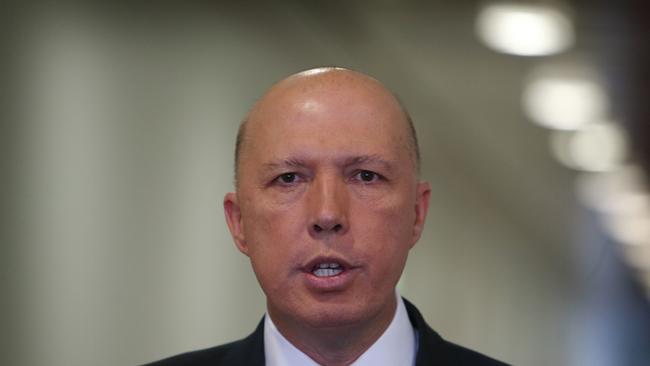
(322, 89)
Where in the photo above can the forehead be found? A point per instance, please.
(340, 116)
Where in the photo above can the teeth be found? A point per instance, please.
(327, 272)
(327, 269)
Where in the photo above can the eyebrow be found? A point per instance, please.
(346, 162)
(368, 159)
(290, 162)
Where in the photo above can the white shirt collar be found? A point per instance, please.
(397, 346)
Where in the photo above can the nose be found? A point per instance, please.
(328, 207)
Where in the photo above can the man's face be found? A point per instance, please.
(328, 202)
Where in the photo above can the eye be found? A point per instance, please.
(287, 178)
(367, 176)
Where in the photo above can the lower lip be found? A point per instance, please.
(331, 283)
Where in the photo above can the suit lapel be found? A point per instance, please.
(429, 342)
(249, 351)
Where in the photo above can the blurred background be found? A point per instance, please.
(118, 137)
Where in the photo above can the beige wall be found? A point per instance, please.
(120, 253)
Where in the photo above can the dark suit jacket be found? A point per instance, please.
(432, 350)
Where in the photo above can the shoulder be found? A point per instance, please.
(248, 351)
(433, 349)
(454, 354)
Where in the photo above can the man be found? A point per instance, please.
(327, 206)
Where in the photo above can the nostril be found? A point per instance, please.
(320, 228)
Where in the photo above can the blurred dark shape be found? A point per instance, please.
(617, 313)
(623, 30)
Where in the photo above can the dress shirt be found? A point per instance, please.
(396, 346)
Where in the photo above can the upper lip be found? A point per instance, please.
(310, 265)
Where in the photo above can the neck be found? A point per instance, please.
(338, 345)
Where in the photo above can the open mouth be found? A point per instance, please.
(329, 274)
(327, 269)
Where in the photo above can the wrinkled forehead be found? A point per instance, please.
(342, 112)
(359, 104)
(335, 88)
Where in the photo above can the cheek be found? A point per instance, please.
(390, 212)
(271, 233)
(265, 219)
(385, 227)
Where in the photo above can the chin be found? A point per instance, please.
(335, 315)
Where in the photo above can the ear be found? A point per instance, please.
(232, 211)
(423, 192)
